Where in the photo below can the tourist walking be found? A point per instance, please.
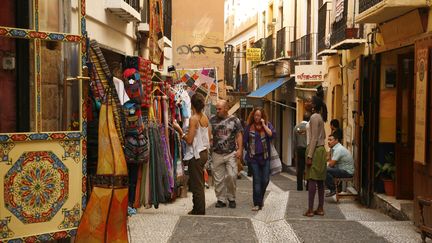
(257, 139)
(227, 146)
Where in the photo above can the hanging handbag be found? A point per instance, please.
(136, 147)
(275, 162)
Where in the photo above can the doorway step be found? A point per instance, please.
(402, 210)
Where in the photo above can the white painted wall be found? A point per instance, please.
(108, 29)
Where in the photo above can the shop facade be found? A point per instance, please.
(46, 101)
(42, 141)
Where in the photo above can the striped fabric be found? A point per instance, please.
(102, 77)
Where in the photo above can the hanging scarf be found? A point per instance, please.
(253, 135)
(105, 217)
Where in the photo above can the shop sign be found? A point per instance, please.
(421, 106)
(309, 73)
(250, 102)
(253, 54)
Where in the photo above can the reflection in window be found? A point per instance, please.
(58, 16)
(60, 96)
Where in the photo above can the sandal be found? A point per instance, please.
(309, 213)
(255, 208)
(319, 212)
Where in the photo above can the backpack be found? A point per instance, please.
(137, 147)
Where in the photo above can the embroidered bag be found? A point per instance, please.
(136, 139)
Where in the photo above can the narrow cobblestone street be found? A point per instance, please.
(280, 220)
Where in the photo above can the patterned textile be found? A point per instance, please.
(101, 75)
(145, 72)
(224, 133)
(156, 32)
(105, 217)
(159, 181)
(167, 158)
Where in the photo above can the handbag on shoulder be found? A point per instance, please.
(275, 162)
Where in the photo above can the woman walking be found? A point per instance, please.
(316, 157)
(196, 154)
(257, 141)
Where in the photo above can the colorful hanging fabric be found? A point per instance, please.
(156, 32)
(145, 71)
(101, 78)
(105, 217)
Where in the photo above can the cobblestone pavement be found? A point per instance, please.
(280, 220)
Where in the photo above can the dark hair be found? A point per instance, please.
(306, 116)
(334, 123)
(198, 102)
(320, 107)
(337, 134)
(250, 119)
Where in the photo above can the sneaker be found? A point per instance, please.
(330, 194)
(232, 204)
(220, 204)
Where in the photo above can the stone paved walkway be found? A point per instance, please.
(280, 220)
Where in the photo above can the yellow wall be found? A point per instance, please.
(387, 114)
(198, 23)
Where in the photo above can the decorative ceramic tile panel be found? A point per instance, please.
(36, 187)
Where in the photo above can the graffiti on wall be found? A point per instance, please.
(198, 49)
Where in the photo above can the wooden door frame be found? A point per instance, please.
(38, 136)
(399, 171)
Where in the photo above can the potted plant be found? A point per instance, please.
(386, 172)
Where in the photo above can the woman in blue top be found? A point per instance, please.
(256, 139)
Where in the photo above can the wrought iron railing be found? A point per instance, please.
(242, 83)
(133, 3)
(269, 49)
(340, 30)
(367, 4)
(261, 43)
(229, 64)
(302, 48)
(167, 17)
(323, 20)
(145, 12)
(280, 43)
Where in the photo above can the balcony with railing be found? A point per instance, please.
(345, 34)
(133, 3)
(379, 11)
(269, 49)
(302, 48)
(167, 18)
(280, 43)
(266, 45)
(127, 10)
(324, 14)
(229, 65)
(241, 85)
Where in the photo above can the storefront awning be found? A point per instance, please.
(268, 88)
